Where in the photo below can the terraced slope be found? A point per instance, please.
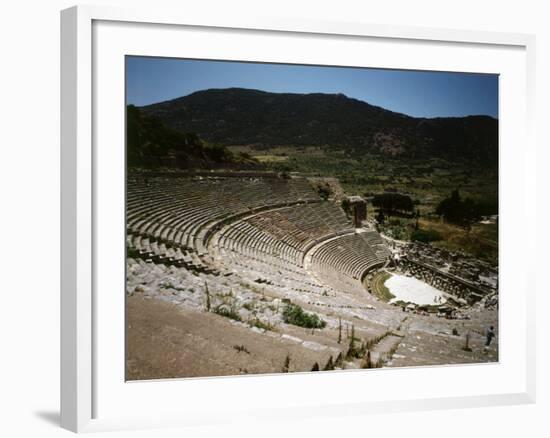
(228, 255)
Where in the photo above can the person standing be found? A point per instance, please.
(489, 335)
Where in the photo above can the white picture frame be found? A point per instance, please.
(89, 120)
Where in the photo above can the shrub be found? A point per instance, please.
(330, 365)
(218, 153)
(339, 362)
(393, 202)
(227, 312)
(425, 235)
(346, 206)
(295, 315)
(240, 348)
(354, 352)
(464, 211)
(395, 222)
(323, 191)
(286, 366)
(256, 322)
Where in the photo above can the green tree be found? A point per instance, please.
(460, 211)
(392, 203)
(425, 236)
(380, 217)
(149, 143)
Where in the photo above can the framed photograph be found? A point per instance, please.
(320, 216)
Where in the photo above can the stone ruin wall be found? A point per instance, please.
(464, 291)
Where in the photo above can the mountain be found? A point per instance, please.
(237, 116)
(149, 143)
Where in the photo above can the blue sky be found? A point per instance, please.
(416, 93)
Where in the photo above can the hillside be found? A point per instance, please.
(150, 143)
(240, 116)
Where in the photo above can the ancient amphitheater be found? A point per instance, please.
(217, 258)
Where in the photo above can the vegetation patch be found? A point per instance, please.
(241, 348)
(228, 312)
(153, 144)
(295, 315)
(466, 211)
(256, 322)
(481, 240)
(426, 236)
(394, 203)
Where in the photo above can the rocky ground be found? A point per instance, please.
(184, 324)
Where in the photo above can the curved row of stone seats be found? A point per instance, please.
(299, 225)
(348, 255)
(375, 241)
(272, 244)
(167, 218)
(341, 254)
(158, 252)
(245, 239)
(235, 193)
(262, 269)
(249, 191)
(177, 208)
(283, 232)
(340, 282)
(255, 254)
(372, 237)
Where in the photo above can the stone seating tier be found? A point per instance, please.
(259, 227)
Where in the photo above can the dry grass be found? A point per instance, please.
(481, 241)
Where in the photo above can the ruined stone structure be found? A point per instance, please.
(358, 208)
(463, 290)
(232, 250)
(274, 229)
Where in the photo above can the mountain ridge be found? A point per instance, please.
(239, 116)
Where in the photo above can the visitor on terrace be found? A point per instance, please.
(489, 335)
